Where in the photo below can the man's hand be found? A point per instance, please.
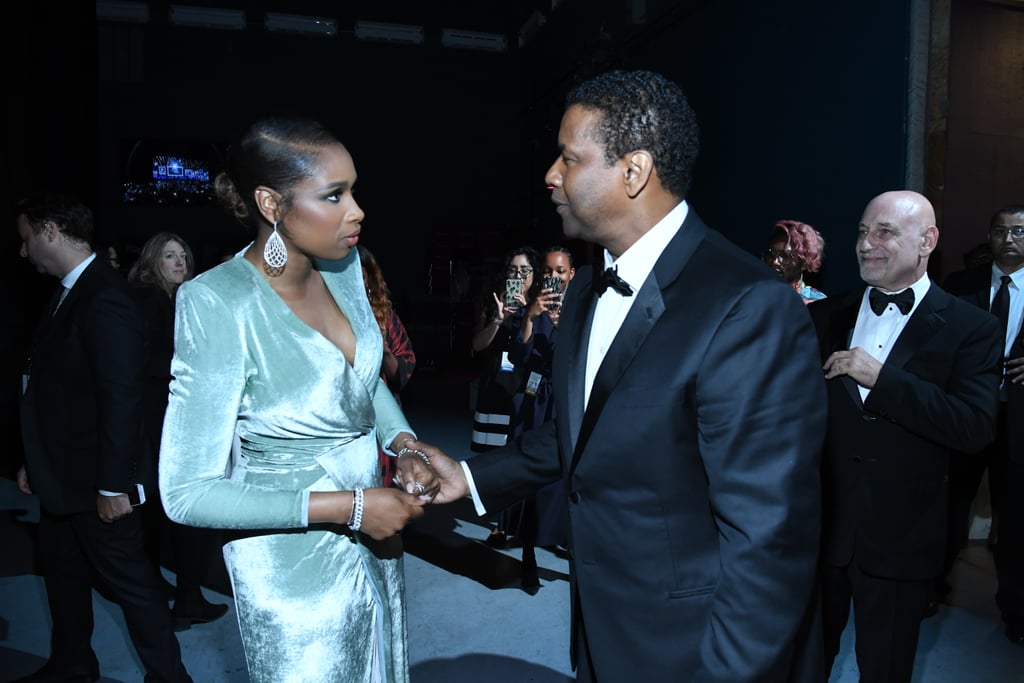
(22, 478)
(856, 363)
(1015, 370)
(113, 508)
(450, 477)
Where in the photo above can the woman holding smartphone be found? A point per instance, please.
(491, 338)
(541, 519)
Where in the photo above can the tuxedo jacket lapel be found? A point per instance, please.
(579, 333)
(922, 325)
(642, 317)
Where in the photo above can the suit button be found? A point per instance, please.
(868, 418)
(574, 497)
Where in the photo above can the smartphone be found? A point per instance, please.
(554, 283)
(513, 286)
(137, 495)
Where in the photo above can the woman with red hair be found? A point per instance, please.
(796, 248)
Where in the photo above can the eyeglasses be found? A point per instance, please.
(769, 255)
(521, 271)
(1004, 231)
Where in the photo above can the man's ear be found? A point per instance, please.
(267, 201)
(50, 231)
(639, 167)
(929, 239)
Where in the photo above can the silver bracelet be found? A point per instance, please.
(405, 451)
(356, 520)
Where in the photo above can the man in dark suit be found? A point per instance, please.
(81, 427)
(690, 416)
(911, 377)
(987, 286)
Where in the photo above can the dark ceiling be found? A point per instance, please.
(505, 17)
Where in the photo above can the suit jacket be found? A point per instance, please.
(157, 316)
(975, 286)
(887, 458)
(81, 415)
(692, 474)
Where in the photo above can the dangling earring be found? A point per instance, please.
(274, 251)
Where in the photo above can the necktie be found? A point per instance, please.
(1001, 307)
(58, 299)
(609, 278)
(879, 300)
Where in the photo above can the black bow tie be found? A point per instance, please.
(610, 278)
(879, 300)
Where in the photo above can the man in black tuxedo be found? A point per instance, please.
(912, 378)
(81, 425)
(690, 412)
(999, 289)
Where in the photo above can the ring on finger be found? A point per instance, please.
(420, 488)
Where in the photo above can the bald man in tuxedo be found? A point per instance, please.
(911, 379)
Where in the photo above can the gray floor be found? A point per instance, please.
(468, 619)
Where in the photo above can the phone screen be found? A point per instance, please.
(553, 283)
(513, 286)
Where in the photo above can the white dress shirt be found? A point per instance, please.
(877, 334)
(634, 266)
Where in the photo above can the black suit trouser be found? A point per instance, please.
(887, 617)
(74, 549)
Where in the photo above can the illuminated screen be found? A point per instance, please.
(160, 172)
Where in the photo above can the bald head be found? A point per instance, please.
(896, 235)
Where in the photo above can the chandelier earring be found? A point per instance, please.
(274, 251)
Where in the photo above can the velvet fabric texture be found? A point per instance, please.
(314, 603)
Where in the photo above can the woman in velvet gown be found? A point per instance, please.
(277, 353)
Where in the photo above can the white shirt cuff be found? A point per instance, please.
(477, 503)
(305, 508)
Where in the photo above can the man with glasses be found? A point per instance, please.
(999, 288)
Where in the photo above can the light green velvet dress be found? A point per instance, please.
(314, 603)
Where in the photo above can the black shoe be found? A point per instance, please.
(1015, 635)
(51, 674)
(185, 619)
(931, 609)
(497, 539)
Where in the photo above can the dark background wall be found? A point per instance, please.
(803, 108)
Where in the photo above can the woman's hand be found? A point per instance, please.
(499, 317)
(415, 474)
(387, 511)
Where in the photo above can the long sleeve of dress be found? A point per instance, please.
(209, 378)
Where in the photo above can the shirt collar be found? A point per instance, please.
(637, 262)
(1016, 277)
(71, 278)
